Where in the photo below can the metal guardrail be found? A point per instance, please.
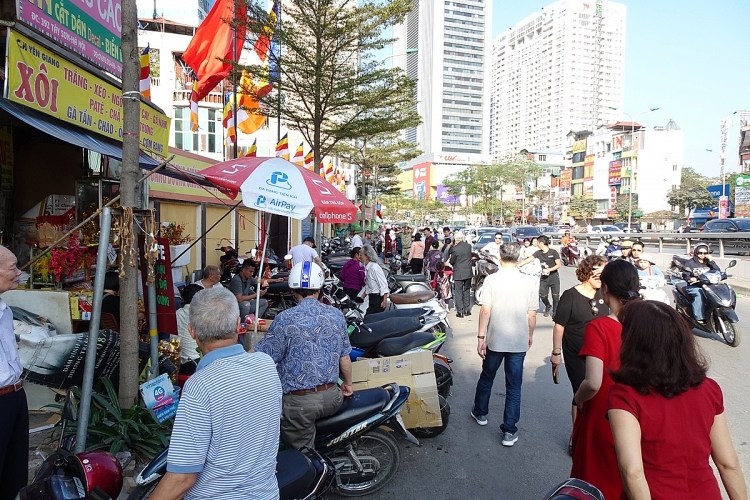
(688, 239)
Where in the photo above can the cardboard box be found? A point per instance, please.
(413, 370)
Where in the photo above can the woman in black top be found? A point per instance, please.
(578, 306)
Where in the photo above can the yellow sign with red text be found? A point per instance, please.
(44, 81)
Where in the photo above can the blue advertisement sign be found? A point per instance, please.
(717, 191)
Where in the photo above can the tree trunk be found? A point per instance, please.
(128, 392)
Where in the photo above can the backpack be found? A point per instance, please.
(433, 257)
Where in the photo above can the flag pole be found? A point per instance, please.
(235, 59)
(278, 74)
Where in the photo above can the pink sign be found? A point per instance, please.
(90, 28)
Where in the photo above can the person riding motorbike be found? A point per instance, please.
(626, 247)
(647, 267)
(699, 264)
(564, 242)
(613, 247)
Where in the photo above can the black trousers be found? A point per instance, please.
(374, 305)
(552, 283)
(14, 443)
(463, 296)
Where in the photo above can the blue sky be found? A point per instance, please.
(690, 59)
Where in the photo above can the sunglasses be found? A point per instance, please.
(702, 253)
(594, 308)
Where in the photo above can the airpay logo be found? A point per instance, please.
(260, 202)
(282, 205)
(279, 180)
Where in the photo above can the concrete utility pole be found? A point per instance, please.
(128, 390)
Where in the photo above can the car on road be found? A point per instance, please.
(486, 238)
(634, 227)
(520, 233)
(741, 243)
(606, 228)
(550, 231)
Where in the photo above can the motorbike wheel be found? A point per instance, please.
(730, 331)
(380, 456)
(431, 432)
(142, 492)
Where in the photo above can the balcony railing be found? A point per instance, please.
(212, 97)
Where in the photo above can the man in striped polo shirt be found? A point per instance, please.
(226, 433)
(310, 343)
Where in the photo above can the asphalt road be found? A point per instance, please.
(468, 462)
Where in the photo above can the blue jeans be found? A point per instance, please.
(697, 294)
(513, 380)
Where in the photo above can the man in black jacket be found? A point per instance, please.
(699, 264)
(459, 257)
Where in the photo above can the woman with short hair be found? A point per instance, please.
(667, 416)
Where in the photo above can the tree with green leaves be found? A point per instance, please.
(584, 207)
(622, 207)
(328, 83)
(692, 192)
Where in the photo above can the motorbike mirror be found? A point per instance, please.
(732, 263)
(288, 256)
(70, 407)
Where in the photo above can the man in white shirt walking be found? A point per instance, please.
(507, 319)
(305, 252)
(357, 239)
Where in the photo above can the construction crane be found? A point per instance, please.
(596, 87)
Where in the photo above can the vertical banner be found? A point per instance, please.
(6, 158)
(742, 196)
(165, 307)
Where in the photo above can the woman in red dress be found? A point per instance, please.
(594, 458)
(666, 416)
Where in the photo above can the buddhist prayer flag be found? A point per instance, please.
(145, 79)
(194, 107)
(282, 148)
(253, 151)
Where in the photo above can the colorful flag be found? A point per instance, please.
(299, 157)
(194, 107)
(329, 171)
(282, 148)
(212, 45)
(309, 159)
(230, 133)
(249, 116)
(145, 83)
(263, 43)
(253, 151)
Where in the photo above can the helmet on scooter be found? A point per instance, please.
(102, 470)
(306, 275)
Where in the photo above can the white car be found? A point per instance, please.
(605, 228)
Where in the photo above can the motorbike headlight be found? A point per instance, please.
(490, 267)
(713, 278)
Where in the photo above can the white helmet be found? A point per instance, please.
(306, 275)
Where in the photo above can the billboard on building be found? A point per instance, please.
(617, 143)
(742, 196)
(39, 79)
(444, 196)
(579, 146)
(89, 28)
(565, 178)
(421, 179)
(588, 167)
(615, 169)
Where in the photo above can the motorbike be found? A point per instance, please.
(485, 265)
(97, 475)
(352, 454)
(230, 263)
(410, 283)
(572, 489)
(718, 304)
(570, 254)
(651, 289)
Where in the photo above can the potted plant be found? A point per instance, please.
(178, 242)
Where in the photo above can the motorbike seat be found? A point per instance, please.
(680, 260)
(294, 473)
(681, 286)
(275, 288)
(399, 345)
(410, 277)
(412, 312)
(353, 410)
(412, 297)
(373, 333)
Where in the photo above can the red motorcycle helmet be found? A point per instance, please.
(101, 470)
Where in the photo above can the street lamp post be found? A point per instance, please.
(632, 150)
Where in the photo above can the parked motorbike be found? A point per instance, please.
(95, 474)
(570, 254)
(718, 304)
(411, 283)
(230, 263)
(352, 453)
(486, 264)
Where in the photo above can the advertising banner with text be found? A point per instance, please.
(91, 28)
(46, 82)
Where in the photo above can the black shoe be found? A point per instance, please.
(467, 314)
(459, 315)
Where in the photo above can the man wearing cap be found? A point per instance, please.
(357, 239)
(14, 418)
(626, 248)
(305, 252)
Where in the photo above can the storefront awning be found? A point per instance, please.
(71, 134)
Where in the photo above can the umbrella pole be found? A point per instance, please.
(254, 337)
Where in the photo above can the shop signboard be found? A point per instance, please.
(164, 187)
(165, 307)
(6, 158)
(565, 178)
(421, 180)
(44, 81)
(588, 167)
(579, 146)
(742, 196)
(615, 169)
(90, 28)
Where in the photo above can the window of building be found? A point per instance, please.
(184, 138)
(674, 168)
(542, 157)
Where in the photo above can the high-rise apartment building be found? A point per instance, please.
(443, 45)
(556, 71)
